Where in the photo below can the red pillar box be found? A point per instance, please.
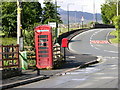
(64, 45)
(43, 46)
(65, 42)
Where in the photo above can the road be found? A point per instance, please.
(94, 42)
(101, 75)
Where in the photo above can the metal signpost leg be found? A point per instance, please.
(64, 54)
(38, 71)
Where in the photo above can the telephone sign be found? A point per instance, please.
(43, 46)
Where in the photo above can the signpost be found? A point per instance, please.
(82, 19)
(52, 24)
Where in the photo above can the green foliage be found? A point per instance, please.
(31, 11)
(30, 17)
(50, 14)
(108, 1)
(9, 18)
(116, 21)
(28, 38)
(9, 41)
(29, 35)
(115, 33)
(1, 33)
(108, 11)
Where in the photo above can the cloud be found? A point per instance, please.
(86, 4)
(79, 5)
(41, 1)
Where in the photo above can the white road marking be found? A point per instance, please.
(96, 48)
(79, 79)
(97, 31)
(106, 77)
(95, 34)
(97, 42)
(111, 57)
(71, 57)
(110, 51)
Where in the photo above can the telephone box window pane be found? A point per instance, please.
(42, 44)
(43, 55)
(43, 40)
(43, 36)
(42, 51)
(43, 47)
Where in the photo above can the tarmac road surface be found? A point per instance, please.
(94, 42)
(101, 75)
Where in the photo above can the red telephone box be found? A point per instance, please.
(43, 45)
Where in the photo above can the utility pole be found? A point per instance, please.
(93, 10)
(117, 7)
(68, 15)
(56, 29)
(19, 26)
(96, 16)
(82, 19)
(75, 16)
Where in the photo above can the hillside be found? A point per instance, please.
(75, 16)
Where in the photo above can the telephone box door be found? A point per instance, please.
(43, 45)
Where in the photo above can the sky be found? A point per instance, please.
(91, 6)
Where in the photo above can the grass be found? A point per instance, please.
(63, 30)
(115, 33)
(8, 41)
(1, 33)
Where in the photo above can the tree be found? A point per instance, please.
(109, 10)
(31, 11)
(9, 18)
(108, 1)
(116, 21)
(50, 14)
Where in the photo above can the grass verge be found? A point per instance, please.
(8, 41)
(115, 33)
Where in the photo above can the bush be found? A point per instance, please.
(29, 35)
(116, 22)
(28, 38)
